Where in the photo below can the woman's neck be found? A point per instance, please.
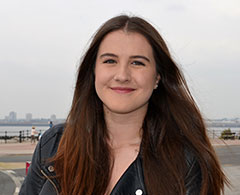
(124, 129)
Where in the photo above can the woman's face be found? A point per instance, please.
(125, 72)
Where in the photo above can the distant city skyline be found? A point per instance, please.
(42, 43)
(12, 116)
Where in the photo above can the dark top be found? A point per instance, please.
(40, 180)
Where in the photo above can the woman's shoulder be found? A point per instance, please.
(48, 144)
(52, 133)
(190, 156)
(193, 176)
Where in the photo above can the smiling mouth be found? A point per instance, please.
(122, 90)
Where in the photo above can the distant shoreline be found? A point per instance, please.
(211, 125)
(35, 122)
(24, 124)
(223, 125)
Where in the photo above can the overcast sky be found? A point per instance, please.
(41, 43)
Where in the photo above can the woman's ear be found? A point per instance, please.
(157, 81)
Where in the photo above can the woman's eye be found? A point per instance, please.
(110, 61)
(138, 63)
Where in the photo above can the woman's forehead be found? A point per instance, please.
(125, 42)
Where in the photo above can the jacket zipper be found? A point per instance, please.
(50, 181)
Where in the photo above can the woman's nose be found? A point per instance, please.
(123, 74)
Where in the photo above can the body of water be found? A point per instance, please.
(14, 130)
(213, 132)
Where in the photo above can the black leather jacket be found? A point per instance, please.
(40, 180)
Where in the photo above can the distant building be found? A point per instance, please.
(28, 117)
(12, 116)
(53, 117)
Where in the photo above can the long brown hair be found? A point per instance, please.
(172, 124)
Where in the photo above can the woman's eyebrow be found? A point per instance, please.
(108, 55)
(139, 56)
(132, 57)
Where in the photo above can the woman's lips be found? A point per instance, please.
(122, 89)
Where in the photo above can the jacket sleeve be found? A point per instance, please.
(193, 178)
(34, 179)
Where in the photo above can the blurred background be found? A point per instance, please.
(41, 43)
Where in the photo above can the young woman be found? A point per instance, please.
(133, 128)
